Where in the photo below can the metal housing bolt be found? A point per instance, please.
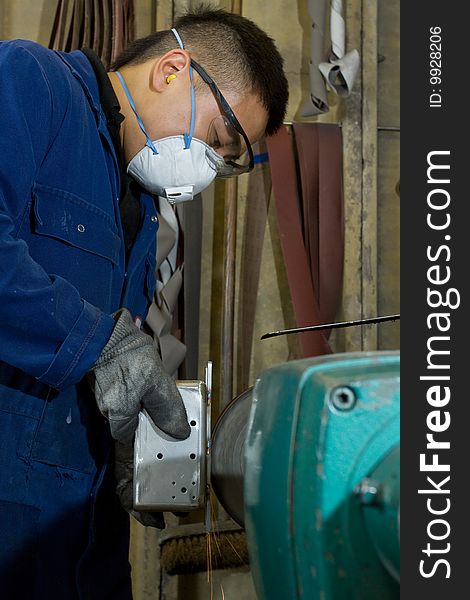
(368, 491)
(343, 398)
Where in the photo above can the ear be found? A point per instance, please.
(175, 62)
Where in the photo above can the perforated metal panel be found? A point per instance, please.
(171, 474)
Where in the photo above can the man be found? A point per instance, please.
(81, 152)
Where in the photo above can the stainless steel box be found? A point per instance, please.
(170, 475)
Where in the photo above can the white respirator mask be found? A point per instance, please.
(176, 167)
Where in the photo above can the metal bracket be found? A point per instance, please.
(169, 474)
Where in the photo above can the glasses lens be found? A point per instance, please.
(229, 144)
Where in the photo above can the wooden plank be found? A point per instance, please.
(389, 237)
(228, 291)
(216, 292)
(274, 305)
(164, 14)
(180, 7)
(388, 223)
(31, 19)
(144, 17)
(144, 554)
(3, 21)
(389, 63)
(369, 173)
(352, 178)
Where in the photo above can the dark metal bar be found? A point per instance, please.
(331, 326)
(379, 127)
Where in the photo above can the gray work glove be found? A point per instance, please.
(124, 472)
(129, 376)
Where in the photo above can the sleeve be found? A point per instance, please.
(46, 328)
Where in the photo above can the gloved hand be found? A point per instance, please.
(129, 376)
(124, 471)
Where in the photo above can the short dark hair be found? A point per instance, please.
(233, 50)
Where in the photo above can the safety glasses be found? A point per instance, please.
(226, 135)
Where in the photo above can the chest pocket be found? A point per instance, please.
(75, 240)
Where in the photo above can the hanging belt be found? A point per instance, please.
(305, 304)
(107, 32)
(106, 26)
(319, 150)
(56, 41)
(98, 27)
(77, 24)
(88, 24)
(117, 29)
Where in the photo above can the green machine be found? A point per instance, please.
(308, 462)
(321, 479)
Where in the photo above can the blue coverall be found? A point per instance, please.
(62, 273)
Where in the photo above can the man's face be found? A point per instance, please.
(165, 108)
(212, 123)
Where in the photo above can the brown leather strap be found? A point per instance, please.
(106, 26)
(306, 139)
(67, 26)
(97, 26)
(107, 32)
(331, 219)
(77, 24)
(319, 151)
(55, 26)
(125, 9)
(88, 24)
(128, 21)
(299, 277)
(118, 29)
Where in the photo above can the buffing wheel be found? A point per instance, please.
(228, 450)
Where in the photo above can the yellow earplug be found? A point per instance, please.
(170, 77)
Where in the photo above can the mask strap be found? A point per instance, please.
(149, 143)
(188, 136)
